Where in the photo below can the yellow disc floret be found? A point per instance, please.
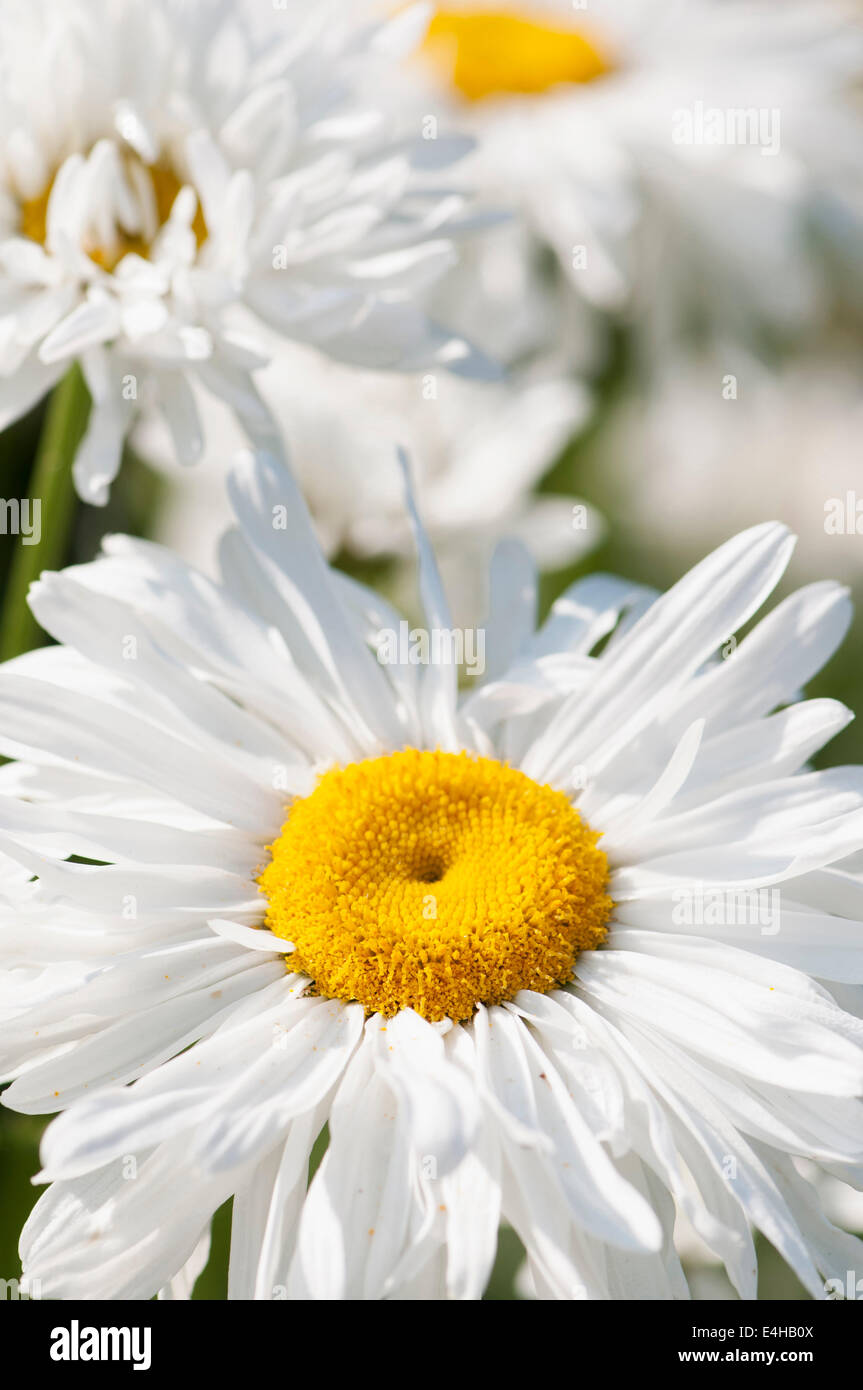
(435, 881)
(486, 53)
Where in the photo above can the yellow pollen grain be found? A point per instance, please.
(33, 219)
(485, 53)
(435, 881)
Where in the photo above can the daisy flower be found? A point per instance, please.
(174, 173)
(478, 451)
(688, 162)
(274, 879)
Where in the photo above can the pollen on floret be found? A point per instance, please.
(435, 881)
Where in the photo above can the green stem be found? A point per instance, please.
(52, 488)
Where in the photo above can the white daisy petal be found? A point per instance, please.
(540, 1099)
(682, 630)
(181, 1286)
(439, 682)
(89, 1259)
(133, 1045)
(786, 649)
(358, 1212)
(798, 1051)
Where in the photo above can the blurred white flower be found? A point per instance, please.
(694, 165)
(720, 439)
(175, 171)
(478, 452)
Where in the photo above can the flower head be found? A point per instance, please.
(176, 174)
(558, 949)
(519, 884)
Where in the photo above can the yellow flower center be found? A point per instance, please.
(157, 185)
(485, 53)
(435, 881)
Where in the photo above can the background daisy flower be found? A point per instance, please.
(176, 177)
(276, 881)
(166, 166)
(694, 166)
